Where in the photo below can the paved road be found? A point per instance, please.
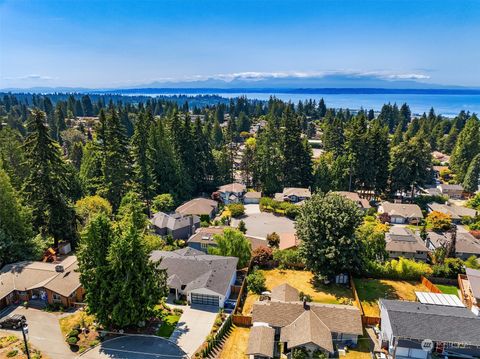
(135, 347)
(193, 327)
(261, 224)
(43, 332)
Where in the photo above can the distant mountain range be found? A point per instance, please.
(252, 82)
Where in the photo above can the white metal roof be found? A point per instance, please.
(449, 300)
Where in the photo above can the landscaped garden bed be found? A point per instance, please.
(371, 290)
(305, 282)
(13, 347)
(80, 331)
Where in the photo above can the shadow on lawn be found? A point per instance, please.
(340, 292)
(370, 290)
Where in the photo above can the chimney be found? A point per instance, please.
(305, 304)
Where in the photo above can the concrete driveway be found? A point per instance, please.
(43, 332)
(262, 223)
(193, 327)
(135, 347)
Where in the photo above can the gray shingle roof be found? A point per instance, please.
(285, 293)
(338, 318)
(195, 269)
(439, 323)
(173, 221)
(402, 210)
(197, 206)
(474, 279)
(466, 243)
(261, 341)
(456, 212)
(401, 239)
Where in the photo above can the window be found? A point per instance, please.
(204, 245)
(57, 298)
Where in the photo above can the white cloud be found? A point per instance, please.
(31, 77)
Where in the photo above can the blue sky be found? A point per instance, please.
(125, 43)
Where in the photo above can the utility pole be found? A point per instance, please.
(24, 332)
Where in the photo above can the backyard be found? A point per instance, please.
(370, 290)
(304, 282)
(448, 289)
(363, 349)
(236, 344)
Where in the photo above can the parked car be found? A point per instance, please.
(12, 322)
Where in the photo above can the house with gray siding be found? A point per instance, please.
(175, 224)
(417, 330)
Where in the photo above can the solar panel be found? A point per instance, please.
(449, 300)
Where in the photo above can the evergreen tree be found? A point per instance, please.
(333, 136)
(203, 164)
(114, 157)
(322, 109)
(15, 226)
(137, 285)
(90, 172)
(47, 185)
(217, 134)
(470, 183)
(410, 164)
(466, 148)
(376, 157)
(141, 168)
(297, 165)
(87, 106)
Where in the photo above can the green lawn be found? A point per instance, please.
(168, 325)
(448, 289)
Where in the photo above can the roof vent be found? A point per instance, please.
(59, 268)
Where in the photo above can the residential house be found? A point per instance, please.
(437, 170)
(353, 196)
(466, 245)
(313, 326)
(232, 192)
(198, 207)
(441, 157)
(288, 241)
(402, 242)
(451, 190)
(53, 283)
(472, 287)
(252, 197)
(416, 330)
(175, 224)
(201, 278)
(456, 212)
(293, 195)
(401, 213)
(204, 238)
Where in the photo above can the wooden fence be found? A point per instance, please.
(465, 296)
(242, 320)
(430, 286)
(370, 320)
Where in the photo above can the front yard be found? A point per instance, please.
(236, 344)
(168, 325)
(80, 326)
(370, 290)
(304, 282)
(12, 347)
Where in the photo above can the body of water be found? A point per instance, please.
(445, 104)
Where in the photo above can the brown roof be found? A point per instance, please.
(307, 328)
(28, 275)
(232, 187)
(353, 196)
(261, 341)
(297, 191)
(285, 293)
(253, 194)
(198, 206)
(456, 212)
(205, 235)
(402, 210)
(288, 240)
(338, 318)
(401, 239)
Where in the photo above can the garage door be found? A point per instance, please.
(205, 299)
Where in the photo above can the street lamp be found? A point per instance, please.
(24, 327)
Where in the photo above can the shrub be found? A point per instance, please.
(384, 218)
(288, 258)
(474, 202)
(242, 227)
(204, 224)
(300, 353)
(439, 221)
(292, 211)
(72, 340)
(472, 263)
(12, 353)
(404, 269)
(273, 240)
(302, 296)
(163, 202)
(266, 203)
(256, 282)
(261, 256)
(236, 209)
(73, 333)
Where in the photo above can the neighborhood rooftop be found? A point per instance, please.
(474, 280)
(402, 210)
(414, 320)
(198, 206)
(190, 269)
